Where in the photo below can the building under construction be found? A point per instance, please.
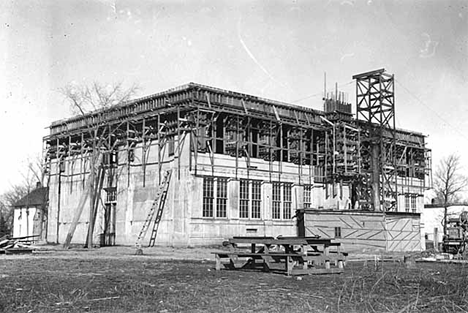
(195, 165)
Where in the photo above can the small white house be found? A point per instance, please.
(432, 220)
(29, 218)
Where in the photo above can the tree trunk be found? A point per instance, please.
(445, 219)
(92, 192)
(91, 206)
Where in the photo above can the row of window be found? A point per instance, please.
(250, 198)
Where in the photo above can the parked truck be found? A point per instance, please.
(455, 241)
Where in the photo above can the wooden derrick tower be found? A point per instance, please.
(375, 110)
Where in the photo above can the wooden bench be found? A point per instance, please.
(295, 255)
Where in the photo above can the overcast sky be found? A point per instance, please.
(273, 49)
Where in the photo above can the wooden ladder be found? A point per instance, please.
(157, 208)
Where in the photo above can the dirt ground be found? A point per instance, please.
(113, 279)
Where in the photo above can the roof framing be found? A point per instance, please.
(192, 96)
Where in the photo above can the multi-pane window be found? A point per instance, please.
(208, 195)
(410, 203)
(221, 197)
(287, 201)
(214, 197)
(337, 232)
(276, 198)
(111, 194)
(307, 196)
(407, 203)
(256, 198)
(281, 200)
(244, 199)
(413, 203)
(250, 199)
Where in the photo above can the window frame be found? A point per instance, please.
(281, 201)
(250, 199)
(214, 197)
(413, 203)
(287, 200)
(307, 196)
(256, 202)
(337, 232)
(244, 199)
(208, 197)
(276, 201)
(407, 203)
(221, 197)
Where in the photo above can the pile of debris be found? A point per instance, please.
(433, 255)
(17, 245)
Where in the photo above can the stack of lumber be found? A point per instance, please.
(13, 246)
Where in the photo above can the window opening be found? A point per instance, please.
(337, 232)
(276, 198)
(208, 195)
(307, 196)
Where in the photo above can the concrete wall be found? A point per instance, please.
(67, 189)
(206, 230)
(182, 222)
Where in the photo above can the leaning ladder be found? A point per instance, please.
(156, 208)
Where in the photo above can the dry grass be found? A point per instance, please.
(132, 284)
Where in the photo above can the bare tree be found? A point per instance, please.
(32, 175)
(84, 99)
(449, 182)
(7, 201)
(36, 173)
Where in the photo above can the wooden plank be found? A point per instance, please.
(323, 258)
(218, 262)
(272, 256)
(289, 265)
(241, 254)
(297, 237)
(18, 251)
(316, 271)
(267, 241)
(253, 237)
(322, 242)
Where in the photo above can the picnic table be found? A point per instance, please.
(291, 255)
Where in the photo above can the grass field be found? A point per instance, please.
(84, 282)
